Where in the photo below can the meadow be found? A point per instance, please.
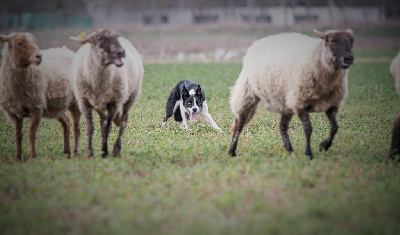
(172, 182)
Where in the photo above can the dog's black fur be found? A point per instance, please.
(185, 101)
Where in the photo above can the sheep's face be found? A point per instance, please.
(340, 44)
(108, 47)
(23, 49)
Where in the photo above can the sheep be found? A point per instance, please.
(35, 84)
(106, 76)
(395, 143)
(293, 74)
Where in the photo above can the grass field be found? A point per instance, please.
(171, 182)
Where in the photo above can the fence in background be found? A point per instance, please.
(29, 21)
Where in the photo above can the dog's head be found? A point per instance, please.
(193, 101)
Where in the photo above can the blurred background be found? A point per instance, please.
(202, 30)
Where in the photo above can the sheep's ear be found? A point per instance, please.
(82, 38)
(4, 38)
(320, 34)
(350, 31)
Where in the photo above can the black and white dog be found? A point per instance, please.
(185, 101)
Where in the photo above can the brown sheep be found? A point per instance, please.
(34, 83)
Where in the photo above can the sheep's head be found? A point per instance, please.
(22, 48)
(340, 44)
(105, 43)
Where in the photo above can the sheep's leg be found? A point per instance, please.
(331, 114)
(76, 116)
(238, 127)
(244, 117)
(33, 127)
(65, 124)
(124, 120)
(105, 122)
(87, 111)
(395, 145)
(18, 135)
(305, 119)
(284, 126)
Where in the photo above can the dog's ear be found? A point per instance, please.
(199, 93)
(185, 93)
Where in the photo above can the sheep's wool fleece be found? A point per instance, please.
(41, 88)
(289, 72)
(395, 70)
(100, 84)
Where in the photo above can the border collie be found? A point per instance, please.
(185, 101)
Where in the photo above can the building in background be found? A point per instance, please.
(282, 13)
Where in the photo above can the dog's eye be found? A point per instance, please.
(189, 103)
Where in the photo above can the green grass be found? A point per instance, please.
(375, 53)
(171, 182)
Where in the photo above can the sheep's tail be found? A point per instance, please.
(243, 101)
(242, 96)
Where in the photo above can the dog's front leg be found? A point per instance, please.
(184, 124)
(208, 118)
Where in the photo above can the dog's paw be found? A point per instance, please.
(185, 127)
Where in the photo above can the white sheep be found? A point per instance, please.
(107, 74)
(293, 74)
(35, 84)
(395, 144)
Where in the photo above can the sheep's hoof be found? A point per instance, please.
(395, 154)
(325, 145)
(289, 148)
(116, 153)
(74, 155)
(117, 149)
(232, 153)
(309, 154)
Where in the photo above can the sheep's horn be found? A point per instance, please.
(350, 31)
(320, 34)
(83, 40)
